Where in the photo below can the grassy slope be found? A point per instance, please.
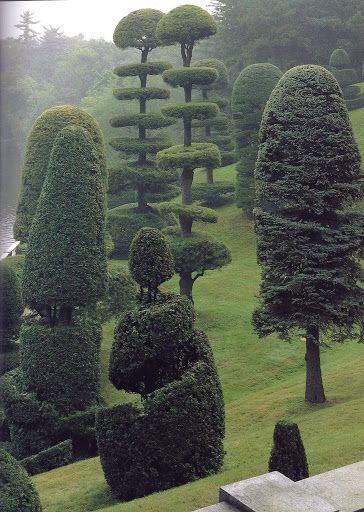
(262, 380)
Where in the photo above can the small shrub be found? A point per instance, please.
(51, 458)
(288, 453)
(17, 493)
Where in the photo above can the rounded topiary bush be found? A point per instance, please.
(150, 260)
(11, 305)
(61, 364)
(288, 453)
(17, 493)
(38, 150)
(137, 29)
(339, 59)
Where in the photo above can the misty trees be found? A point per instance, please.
(307, 174)
(250, 94)
(28, 34)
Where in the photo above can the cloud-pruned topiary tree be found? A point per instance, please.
(150, 261)
(187, 25)
(250, 94)
(347, 77)
(65, 264)
(288, 454)
(39, 146)
(307, 176)
(137, 30)
(17, 492)
(158, 353)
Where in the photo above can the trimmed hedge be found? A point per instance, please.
(149, 121)
(141, 93)
(137, 29)
(132, 146)
(65, 264)
(132, 173)
(196, 155)
(186, 24)
(221, 141)
(142, 69)
(339, 59)
(11, 305)
(150, 260)
(17, 492)
(38, 150)
(220, 122)
(51, 458)
(214, 194)
(345, 77)
(222, 80)
(121, 294)
(61, 364)
(192, 211)
(192, 110)
(80, 428)
(187, 77)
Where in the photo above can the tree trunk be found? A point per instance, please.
(186, 225)
(186, 184)
(209, 175)
(314, 387)
(142, 204)
(186, 284)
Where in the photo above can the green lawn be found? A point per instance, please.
(263, 381)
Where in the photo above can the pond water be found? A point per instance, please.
(10, 182)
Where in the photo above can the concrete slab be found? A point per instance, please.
(273, 492)
(342, 486)
(219, 507)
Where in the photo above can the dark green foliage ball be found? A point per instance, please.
(222, 80)
(250, 93)
(153, 345)
(39, 146)
(11, 304)
(121, 294)
(185, 25)
(214, 194)
(307, 174)
(138, 29)
(150, 259)
(288, 453)
(17, 492)
(61, 364)
(196, 155)
(339, 59)
(65, 264)
(51, 458)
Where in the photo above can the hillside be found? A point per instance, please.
(263, 381)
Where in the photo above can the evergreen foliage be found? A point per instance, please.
(137, 30)
(288, 453)
(11, 305)
(307, 175)
(150, 260)
(250, 94)
(37, 154)
(215, 194)
(17, 492)
(65, 264)
(346, 76)
(51, 458)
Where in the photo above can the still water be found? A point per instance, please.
(10, 182)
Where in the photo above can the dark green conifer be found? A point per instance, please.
(307, 176)
(250, 94)
(288, 454)
(347, 77)
(11, 305)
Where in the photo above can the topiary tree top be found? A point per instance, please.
(138, 30)
(186, 25)
(65, 264)
(37, 153)
(150, 260)
(339, 59)
(222, 80)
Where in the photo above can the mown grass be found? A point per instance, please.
(263, 381)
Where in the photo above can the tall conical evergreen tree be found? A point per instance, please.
(137, 30)
(186, 25)
(250, 94)
(307, 175)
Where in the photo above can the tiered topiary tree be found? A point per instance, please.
(250, 94)
(64, 272)
(346, 76)
(137, 30)
(288, 454)
(39, 146)
(177, 435)
(187, 25)
(17, 492)
(307, 177)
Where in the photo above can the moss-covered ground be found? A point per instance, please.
(263, 381)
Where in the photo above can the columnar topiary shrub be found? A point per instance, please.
(150, 261)
(346, 76)
(11, 305)
(37, 153)
(186, 25)
(307, 176)
(17, 492)
(288, 454)
(250, 94)
(177, 436)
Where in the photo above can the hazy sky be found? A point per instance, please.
(92, 18)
